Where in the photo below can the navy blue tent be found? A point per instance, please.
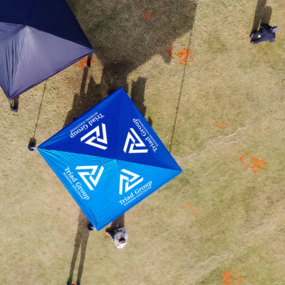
(38, 38)
(109, 159)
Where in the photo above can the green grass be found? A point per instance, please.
(240, 222)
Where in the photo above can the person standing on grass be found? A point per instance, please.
(265, 33)
(119, 236)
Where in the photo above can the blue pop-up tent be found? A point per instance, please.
(109, 159)
(38, 38)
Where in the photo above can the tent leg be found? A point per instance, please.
(90, 227)
(14, 105)
(89, 58)
(32, 144)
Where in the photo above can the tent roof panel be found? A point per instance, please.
(39, 59)
(51, 16)
(11, 42)
(105, 188)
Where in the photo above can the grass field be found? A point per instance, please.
(240, 221)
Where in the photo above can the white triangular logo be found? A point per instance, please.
(132, 138)
(127, 186)
(90, 175)
(91, 140)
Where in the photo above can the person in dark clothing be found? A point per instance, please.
(265, 33)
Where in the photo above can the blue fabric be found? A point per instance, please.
(51, 16)
(109, 159)
(38, 38)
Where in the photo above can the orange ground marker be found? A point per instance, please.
(219, 125)
(254, 161)
(191, 208)
(82, 61)
(241, 158)
(227, 280)
(169, 51)
(147, 17)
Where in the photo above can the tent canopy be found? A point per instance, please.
(109, 159)
(38, 38)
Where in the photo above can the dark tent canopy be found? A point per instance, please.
(38, 38)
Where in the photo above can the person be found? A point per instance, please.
(68, 283)
(119, 236)
(265, 33)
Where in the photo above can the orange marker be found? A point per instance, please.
(169, 51)
(240, 280)
(256, 163)
(147, 17)
(185, 52)
(83, 60)
(219, 125)
(190, 206)
(227, 280)
(241, 158)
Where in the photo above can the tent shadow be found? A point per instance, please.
(137, 96)
(124, 39)
(262, 14)
(122, 35)
(84, 100)
(114, 77)
(81, 240)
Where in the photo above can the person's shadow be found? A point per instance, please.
(118, 223)
(262, 14)
(81, 240)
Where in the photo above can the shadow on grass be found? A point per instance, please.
(137, 96)
(121, 35)
(33, 141)
(81, 103)
(124, 39)
(262, 14)
(81, 240)
(118, 223)
(84, 100)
